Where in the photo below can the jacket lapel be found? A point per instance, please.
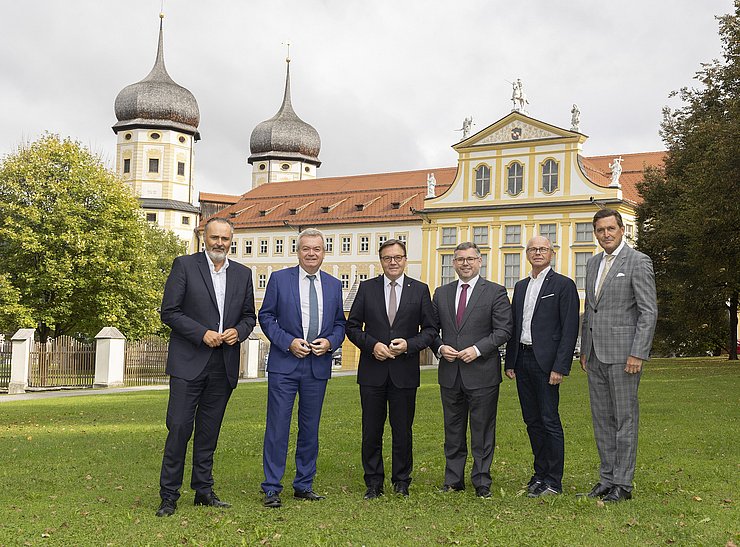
(296, 293)
(480, 288)
(205, 272)
(594, 266)
(326, 320)
(543, 289)
(451, 292)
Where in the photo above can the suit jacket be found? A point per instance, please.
(554, 323)
(368, 324)
(281, 321)
(189, 308)
(486, 324)
(621, 322)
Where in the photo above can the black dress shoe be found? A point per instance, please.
(453, 488)
(599, 491)
(211, 500)
(483, 492)
(544, 490)
(272, 499)
(167, 508)
(401, 488)
(617, 493)
(373, 492)
(307, 495)
(534, 485)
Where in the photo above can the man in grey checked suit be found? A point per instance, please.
(619, 318)
(475, 318)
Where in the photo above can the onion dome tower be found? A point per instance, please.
(156, 129)
(284, 148)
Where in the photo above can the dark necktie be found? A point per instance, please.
(392, 303)
(313, 310)
(462, 303)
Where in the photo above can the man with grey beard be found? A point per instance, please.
(209, 305)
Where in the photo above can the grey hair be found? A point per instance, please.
(312, 232)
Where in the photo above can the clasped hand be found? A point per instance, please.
(301, 348)
(213, 339)
(467, 355)
(397, 346)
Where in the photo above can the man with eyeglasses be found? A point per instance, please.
(391, 322)
(474, 316)
(539, 354)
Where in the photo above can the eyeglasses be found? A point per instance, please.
(396, 259)
(538, 250)
(466, 259)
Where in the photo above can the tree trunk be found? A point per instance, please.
(733, 326)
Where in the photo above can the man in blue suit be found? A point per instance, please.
(302, 316)
(539, 354)
(209, 305)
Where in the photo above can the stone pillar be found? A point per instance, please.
(251, 358)
(21, 361)
(110, 351)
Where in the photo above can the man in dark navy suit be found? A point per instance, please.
(391, 322)
(209, 305)
(302, 315)
(539, 354)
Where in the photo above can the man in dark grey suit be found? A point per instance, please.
(619, 319)
(209, 305)
(539, 354)
(475, 319)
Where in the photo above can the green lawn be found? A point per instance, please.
(84, 471)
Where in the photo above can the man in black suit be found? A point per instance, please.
(209, 305)
(391, 321)
(474, 316)
(539, 354)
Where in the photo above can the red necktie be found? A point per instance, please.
(462, 303)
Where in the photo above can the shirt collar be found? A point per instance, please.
(618, 249)
(303, 273)
(472, 282)
(542, 275)
(212, 267)
(387, 281)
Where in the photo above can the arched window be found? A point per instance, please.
(549, 176)
(482, 181)
(515, 178)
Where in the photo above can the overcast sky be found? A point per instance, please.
(385, 82)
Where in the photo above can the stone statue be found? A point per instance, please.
(616, 167)
(431, 185)
(575, 118)
(518, 97)
(466, 125)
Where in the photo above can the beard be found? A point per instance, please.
(216, 256)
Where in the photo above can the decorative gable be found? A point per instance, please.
(515, 128)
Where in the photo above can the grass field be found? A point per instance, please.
(84, 471)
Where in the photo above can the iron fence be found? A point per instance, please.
(145, 362)
(62, 362)
(6, 353)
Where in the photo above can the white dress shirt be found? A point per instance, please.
(219, 287)
(603, 262)
(387, 290)
(304, 286)
(530, 301)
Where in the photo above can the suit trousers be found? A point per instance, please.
(200, 402)
(539, 401)
(478, 405)
(615, 413)
(400, 404)
(281, 394)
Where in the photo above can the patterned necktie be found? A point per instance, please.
(313, 310)
(462, 303)
(392, 303)
(607, 266)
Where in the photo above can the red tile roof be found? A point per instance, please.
(598, 171)
(217, 198)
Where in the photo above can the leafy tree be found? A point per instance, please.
(690, 217)
(73, 244)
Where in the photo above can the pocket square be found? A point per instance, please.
(620, 274)
(547, 296)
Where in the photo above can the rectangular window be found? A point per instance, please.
(127, 165)
(248, 247)
(629, 230)
(185, 221)
(154, 165)
(232, 248)
(363, 277)
(293, 245)
(364, 244)
(329, 244)
(512, 235)
(480, 235)
(484, 266)
(402, 237)
(550, 232)
(382, 239)
(263, 246)
(181, 168)
(581, 259)
(584, 232)
(261, 281)
(279, 246)
(346, 244)
(151, 217)
(449, 236)
(344, 278)
(512, 264)
(448, 272)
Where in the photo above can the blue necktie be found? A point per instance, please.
(313, 310)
